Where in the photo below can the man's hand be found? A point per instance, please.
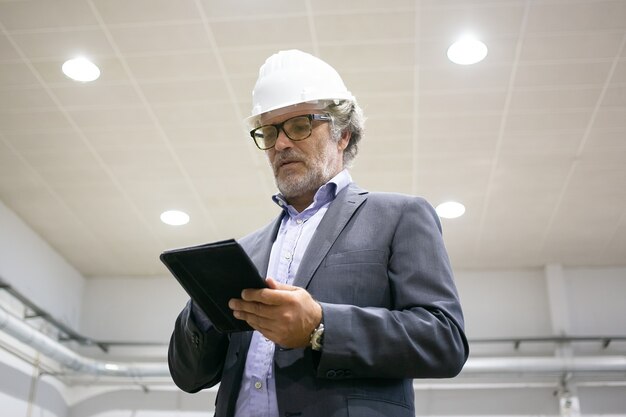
(285, 314)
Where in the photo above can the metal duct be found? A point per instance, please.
(541, 365)
(517, 365)
(54, 350)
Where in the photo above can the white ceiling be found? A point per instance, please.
(532, 140)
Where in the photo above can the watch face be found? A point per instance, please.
(317, 338)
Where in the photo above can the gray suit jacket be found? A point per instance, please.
(378, 266)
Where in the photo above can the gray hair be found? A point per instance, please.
(347, 116)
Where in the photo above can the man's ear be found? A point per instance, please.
(345, 139)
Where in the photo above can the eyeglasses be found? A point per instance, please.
(296, 128)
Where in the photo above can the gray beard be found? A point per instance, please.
(318, 174)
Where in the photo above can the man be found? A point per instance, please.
(361, 298)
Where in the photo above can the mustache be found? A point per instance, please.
(288, 155)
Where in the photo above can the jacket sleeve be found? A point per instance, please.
(419, 334)
(196, 351)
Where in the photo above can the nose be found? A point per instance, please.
(282, 141)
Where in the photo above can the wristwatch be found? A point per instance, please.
(317, 338)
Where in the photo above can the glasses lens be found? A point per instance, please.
(265, 136)
(298, 128)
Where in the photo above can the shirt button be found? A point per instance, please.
(258, 385)
(299, 221)
(287, 255)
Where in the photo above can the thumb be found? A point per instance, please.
(275, 285)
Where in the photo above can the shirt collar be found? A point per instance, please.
(324, 195)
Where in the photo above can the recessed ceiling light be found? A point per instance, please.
(450, 210)
(467, 51)
(174, 217)
(81, 69)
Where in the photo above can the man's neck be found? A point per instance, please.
(301, 202)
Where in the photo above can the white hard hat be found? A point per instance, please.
(292, 77)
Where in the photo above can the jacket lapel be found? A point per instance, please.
(339, 213)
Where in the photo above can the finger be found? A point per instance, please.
(246, 307)
(266, 295)
(257, 323)
(275, 285)
(272, 283)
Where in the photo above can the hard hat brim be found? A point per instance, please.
(255, 121)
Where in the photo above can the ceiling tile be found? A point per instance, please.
(14, 121)
(119, 136)
(176, 66)
(37, 14)
(25, 98)
(446, 176)
(244, 9)
(468, 123)
(120, 116)
(461, 143)
(615, 97)
(379, 128)
(483, 21)
(243, 63)
(562, 74)
(365, 27)
(164, 38)
(610, 118)
(196, 114)
(264, 31)
(169, 92)
(577, 16)
(382, 82)
(45, 139)
(434, 102)
(94, 95)
(51, 159)
(554, 99)
(456, 77)
(359, 6)
(547, 120)
(548, 142)
(398, 55)
(145, 11)
(555, 47)
(7, 51)
(392, 105)
(63, 45)
(606, 139)
(16, 74)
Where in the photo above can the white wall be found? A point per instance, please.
(32, 267)
(597, 300)
(24, 392)
(131, 309)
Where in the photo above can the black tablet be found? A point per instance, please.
(212, 274)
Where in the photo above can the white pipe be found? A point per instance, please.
(534, 365)
(56, 351)
(86, 366)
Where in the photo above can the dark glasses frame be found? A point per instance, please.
(279, 126)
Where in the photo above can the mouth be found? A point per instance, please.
(287, 163)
